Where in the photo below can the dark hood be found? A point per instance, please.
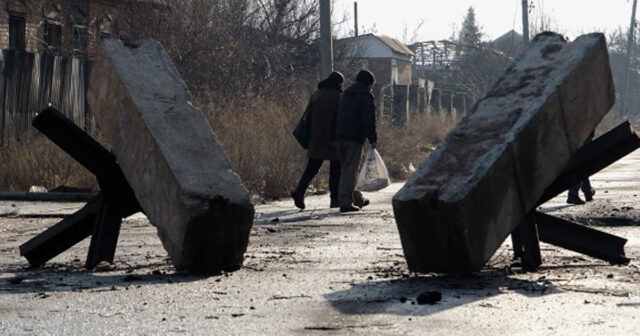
(357, 89)
(329, 84)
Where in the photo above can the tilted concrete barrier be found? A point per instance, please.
(170, 156)
(473, 190)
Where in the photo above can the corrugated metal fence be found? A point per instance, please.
(30, 82)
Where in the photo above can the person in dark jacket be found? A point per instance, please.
(320, 112)
(355, 122)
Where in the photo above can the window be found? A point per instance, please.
(79, 39)
(16, 32)
(53, 36)
(106, 26)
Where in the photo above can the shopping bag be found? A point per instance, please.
(302, 132)
(373, 175)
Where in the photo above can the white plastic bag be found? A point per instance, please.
(373, 175)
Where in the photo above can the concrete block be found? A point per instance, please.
(473, 190)
(170, 156)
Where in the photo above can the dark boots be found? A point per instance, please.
(298, 199)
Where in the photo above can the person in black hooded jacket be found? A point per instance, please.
(320, 112)
(355, 122)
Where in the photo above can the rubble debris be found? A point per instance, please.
(473, 190)
(170, 156)
(431, 297)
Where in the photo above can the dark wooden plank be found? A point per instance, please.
(105, 235)
(46, 196)
(74, 141)
(518, 250)
(581, 239)
(528, 246)
(89, 153)
(593, 157)
(61, 236)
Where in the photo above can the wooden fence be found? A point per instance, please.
(31, 82)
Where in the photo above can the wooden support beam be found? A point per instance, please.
(581, 239)
(104, 239)
(102, 216)
(526, 246)
(61, 236)
(73, 140)
(90, 154)
(593, 157)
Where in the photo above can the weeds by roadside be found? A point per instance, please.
(255, 132)
(37, 161)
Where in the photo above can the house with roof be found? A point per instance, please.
(510, 44)
(387, 58)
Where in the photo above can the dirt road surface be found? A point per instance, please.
(319, 272)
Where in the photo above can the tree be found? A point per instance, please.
(226, 47)
(478, 65)
(617, 43)
(540, 20)
(470, 34)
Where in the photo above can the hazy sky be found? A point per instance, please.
(495, 17)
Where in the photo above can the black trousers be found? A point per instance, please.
(313, 166)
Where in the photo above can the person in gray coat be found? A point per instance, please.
(320, 112)
(355, 122)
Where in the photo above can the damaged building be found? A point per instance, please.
(47, 47)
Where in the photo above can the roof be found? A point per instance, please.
(395, 45)
(508, 37)
(390, 42)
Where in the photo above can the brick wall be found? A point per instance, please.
(404, 72)
(4, 25)
(381, 68)
(98, 12)
(95, 10)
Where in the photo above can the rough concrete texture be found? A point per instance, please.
(170, 156)
(465, 199)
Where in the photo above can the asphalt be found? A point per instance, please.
(319, 272)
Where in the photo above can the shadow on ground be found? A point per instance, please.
(69, 278)
(401, 296)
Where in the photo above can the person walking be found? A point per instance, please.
(355, 122)
(584, 185)
(320, 112)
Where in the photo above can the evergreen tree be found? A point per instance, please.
(470, 34)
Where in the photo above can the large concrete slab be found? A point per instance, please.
(474, 189)
(170, 156)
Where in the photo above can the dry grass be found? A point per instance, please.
(401, 147)
(255, 132)
(37, 161)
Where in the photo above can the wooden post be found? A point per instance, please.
(525, 22)
(622, 112)
(326, 43)
(355, 17)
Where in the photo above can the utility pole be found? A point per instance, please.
(622, 112)
(525, 23)
(326, 41)
(355, 17)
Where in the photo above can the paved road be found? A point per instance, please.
(319, 272)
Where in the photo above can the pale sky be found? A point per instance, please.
(495, 17)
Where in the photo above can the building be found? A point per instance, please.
(510, 44)
(61, 27)
(387, 58)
